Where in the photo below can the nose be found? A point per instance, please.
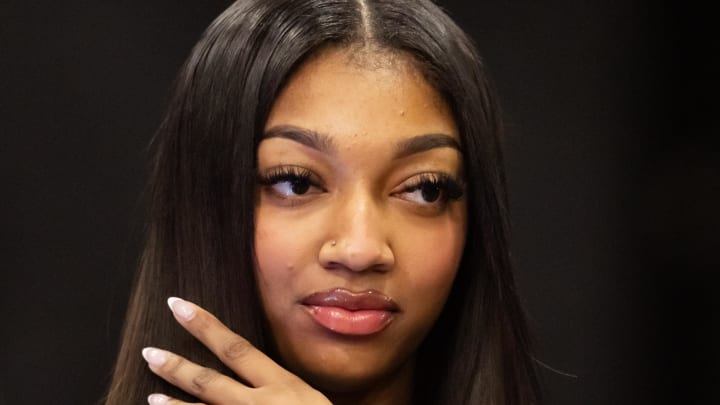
(358, 238)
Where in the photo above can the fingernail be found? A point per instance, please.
(154, 357)
(181, 308)
(157, 399)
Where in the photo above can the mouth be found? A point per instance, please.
(351, 313)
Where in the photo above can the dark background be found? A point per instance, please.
(613, 180)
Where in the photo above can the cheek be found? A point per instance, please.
(279, 255)
(432, 260)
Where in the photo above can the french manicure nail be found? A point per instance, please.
(157, 399)
(154, 357)
(181, 308)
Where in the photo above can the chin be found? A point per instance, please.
(342, 364)
(349, 377)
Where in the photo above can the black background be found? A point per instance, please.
(613, 180)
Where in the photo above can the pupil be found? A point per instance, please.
(430, 193)
(300, 186)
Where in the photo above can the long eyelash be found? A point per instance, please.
(452, 188)
(280, 174)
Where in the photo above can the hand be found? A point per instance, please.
(270, 383)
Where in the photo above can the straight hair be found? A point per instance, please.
(202, 182)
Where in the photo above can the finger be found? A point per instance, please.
(160, 399)
(233, 350)
(201, 382)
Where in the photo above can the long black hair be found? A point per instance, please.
(201, 192)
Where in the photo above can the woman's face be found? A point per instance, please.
(360, 217)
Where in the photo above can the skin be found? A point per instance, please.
(358, 225)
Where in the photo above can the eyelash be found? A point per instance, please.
(294, 175)
(447, 187)
(436, 188)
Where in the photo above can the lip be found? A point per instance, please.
(351, 313)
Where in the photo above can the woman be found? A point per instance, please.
(328, 184)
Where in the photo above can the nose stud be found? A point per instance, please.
(333, 243)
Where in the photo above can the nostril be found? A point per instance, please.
(333, 265)
(355, 256)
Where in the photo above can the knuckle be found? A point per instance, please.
(173, 365)
(237, 348)
(203, 379)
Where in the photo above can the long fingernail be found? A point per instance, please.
(154, 357)
(158, 399)
(181, 308)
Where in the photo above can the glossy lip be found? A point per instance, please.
(352, 301)
(344, 312)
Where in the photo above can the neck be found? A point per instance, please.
(395, 389)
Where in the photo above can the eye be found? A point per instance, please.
(289, 181)
(431, 188)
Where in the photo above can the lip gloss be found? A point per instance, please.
(351, 313)
(346, 322)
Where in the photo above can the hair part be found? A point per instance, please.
(201, 194)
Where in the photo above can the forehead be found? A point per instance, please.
(347, 92)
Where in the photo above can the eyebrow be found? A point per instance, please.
(426, 142)
(323, 143)
(303, 136)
